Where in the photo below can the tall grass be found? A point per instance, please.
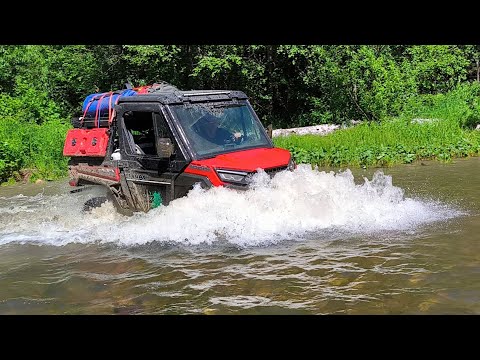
(34, 150)
(430, 127)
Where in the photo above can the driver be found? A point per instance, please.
(208, 127)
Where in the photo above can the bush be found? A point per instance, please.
(46, 149)
(27, 143)
(391, 142)
(461, 105)
(9, 162)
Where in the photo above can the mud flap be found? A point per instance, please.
(126, 191)
(137, 196)
(140, 195)
(119, 204)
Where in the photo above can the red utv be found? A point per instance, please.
(150, 145)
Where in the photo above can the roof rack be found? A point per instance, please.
(206, 93)
(90, 122)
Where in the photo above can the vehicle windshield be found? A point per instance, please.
(216, 128)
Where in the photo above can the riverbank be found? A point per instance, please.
(396, 141)
(365, 145)
(322, 129)
(439, 127)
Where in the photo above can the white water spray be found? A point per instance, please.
(289, 206)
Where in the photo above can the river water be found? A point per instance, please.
(401, 240)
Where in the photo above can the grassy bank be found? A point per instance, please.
(430, 127)
(385, 144)
(437, 126)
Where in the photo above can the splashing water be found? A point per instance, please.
(287, 207)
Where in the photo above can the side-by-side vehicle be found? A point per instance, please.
(151, 145)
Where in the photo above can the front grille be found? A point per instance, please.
(270, 171)
(273, 171)
(246, 182)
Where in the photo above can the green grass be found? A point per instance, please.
(27, 145)
(391, 142)
(448, 134)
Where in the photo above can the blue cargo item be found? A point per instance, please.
(101, 104)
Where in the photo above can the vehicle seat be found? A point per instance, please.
(136, 148)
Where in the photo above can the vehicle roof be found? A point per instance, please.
(181, 96)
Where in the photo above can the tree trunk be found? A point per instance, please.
(478, 70)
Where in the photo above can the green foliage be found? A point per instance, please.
(431, 127)
(29, 105)
(288, 85)
(386, 144)
(379, 84)
(345, 83)
(32, 136)
(146, 64)
(12, 148)
(9, 162)
(73, 73)
(46, 149)
(38, 147)
(461, 105)
(437, 68)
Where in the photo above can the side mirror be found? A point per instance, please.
(165, 147)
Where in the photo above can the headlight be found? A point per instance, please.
(291, 164)
(232, 176)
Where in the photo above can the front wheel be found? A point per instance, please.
(94, 203)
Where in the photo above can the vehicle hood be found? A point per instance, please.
(248, 160)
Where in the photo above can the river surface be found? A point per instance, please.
(401, 240)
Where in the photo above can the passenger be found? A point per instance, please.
(209, 128)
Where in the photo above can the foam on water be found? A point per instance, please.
(289, 206)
